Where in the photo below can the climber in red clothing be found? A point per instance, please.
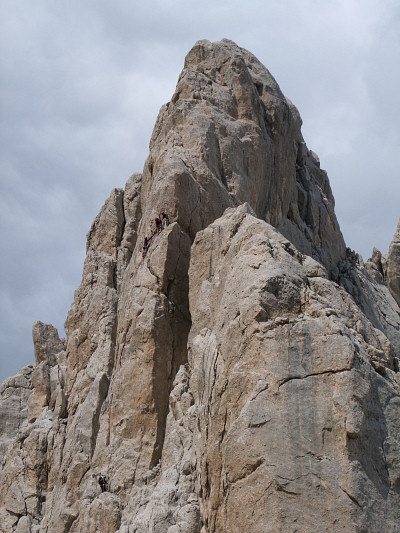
(158, 224)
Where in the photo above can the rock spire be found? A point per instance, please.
(241, 369)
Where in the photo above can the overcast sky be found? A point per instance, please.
(81, 84)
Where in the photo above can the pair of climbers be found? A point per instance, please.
(104, 483)
(162, 221)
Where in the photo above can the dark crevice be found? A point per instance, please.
(103, 385)
(325, 372)
(281, 488)
(259, 424)
(174, 310)
(352, 498)
(250, 470)
(259, 87)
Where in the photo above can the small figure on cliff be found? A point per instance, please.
(146, 244)
(165, 219)
(158, 224)
(102, 483)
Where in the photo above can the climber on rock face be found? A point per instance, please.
(146, 244)
(158, 224)
(102, 483)
(165, 219)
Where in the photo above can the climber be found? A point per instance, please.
(158, 224)
(165, 219)
(106, 482)
(102, 483)
(146, 244)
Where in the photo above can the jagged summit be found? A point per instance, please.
(241, 369)
(385, 268)
(230, 136)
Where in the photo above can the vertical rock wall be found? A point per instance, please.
(297, 391)
(393, 266)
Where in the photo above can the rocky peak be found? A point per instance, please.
(384, 269)
(219, 376)
(230, 136)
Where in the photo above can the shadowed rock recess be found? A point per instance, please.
(242, 376)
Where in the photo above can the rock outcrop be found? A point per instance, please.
(239, 375)
(385, 269)
(393, 266)
(289, 377)
(15, 394)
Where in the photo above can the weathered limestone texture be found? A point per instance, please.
(239, 375)
(385, 269)
(15, 393)
(393, 266)
(290, 379)
(228, 136)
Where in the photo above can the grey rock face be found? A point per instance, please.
(295, 389)
(220, 379)
(385, 269)
(15, 393)
(230, 136)
(46, 342)
(393, 266)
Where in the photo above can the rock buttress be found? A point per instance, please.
(296, 391)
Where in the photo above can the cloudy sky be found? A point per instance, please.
(81, 83)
